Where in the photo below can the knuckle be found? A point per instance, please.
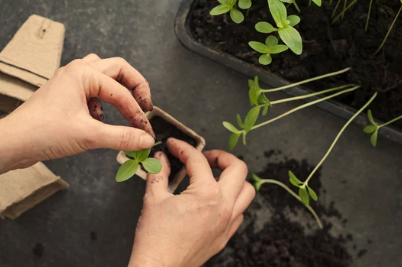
(93, 55)
(226, 214)
(243, 168)
(212, 193)
(76, 65)
(120, 61)
(125, 139)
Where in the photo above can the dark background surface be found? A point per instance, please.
(201, 94)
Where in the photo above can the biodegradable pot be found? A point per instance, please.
(199, 145)
(183, 33)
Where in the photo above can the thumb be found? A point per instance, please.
(121, 137)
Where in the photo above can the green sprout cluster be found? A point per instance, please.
(373, 128)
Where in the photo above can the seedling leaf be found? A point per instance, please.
(253, 94)
(259, 47)
(294, 20)
(304, 196)
(265, 59)
(291, 37)
(293, 179)
(278, 49)
(313, 195)
(265, 110)
(244, 4)
(271, 41)
(230, 127)
(236, 15)
(318, 2)
(251, 118)
(239, 122)
(288, 1)
(250, 83)
(256, 83)
(141, 155)
(278, 11)
(152, 165)
(370, 129)
(223, 2)
(219, 10)
(370, 115)
(130, 153)
(373, 139)
(265, 27)
(234, 138)
(126, 170)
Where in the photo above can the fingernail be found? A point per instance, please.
(146, 141)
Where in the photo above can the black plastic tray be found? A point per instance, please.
(183, 33)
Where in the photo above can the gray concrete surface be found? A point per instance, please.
(201, 94)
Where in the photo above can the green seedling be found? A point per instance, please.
(271, 46)
(389, 30)
(258, 182)
(130, 167)
(305, 192)
(368, 15)
(230, 6)
(343, 11)
(373, 128)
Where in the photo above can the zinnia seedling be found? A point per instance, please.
(373, 128)
(230, 6)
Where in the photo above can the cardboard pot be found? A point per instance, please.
(200, 144)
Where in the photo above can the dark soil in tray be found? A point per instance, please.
(282, 242)
(163, 130)
(326, 48)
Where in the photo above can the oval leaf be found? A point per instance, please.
(239, 122)
(278, 11)
(265, 110)
(370, 117)
(219, 10)
(244, 4)
(313, 195)
(265, 27)
(230, 127)
(278, 49)
(233, 140)
(250, 83)
(304, 196)
(126, 170)
(130, 154)
(259, 47)
(236, 15)
(373, 139)
(271, 41)
(291, 37)
(256, 83)
(223, 2)
(293, 179)
(152, 165)
(293, 20)
(251, 118)
(318, 2)
(142, 155)
(370, 129)
(253, 95)
(265, 59)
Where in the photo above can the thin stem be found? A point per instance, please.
(309, 3)
(305, 81)
(330, 2)
(344, 10)
(158, 143)
(391, 121)
(335, 9)
(248, 12)
(337, 138)
(368, 15)
(389, 30)
(270, 181)
(303, 106)
(296, 6)
(310, 95)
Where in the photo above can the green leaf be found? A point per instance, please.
(126, 170)
(219, 10)
(313, 195)
(251, 118)
(265, 27)
(288, 1)
(236, 15)
(244, 4)
(265, 59)
(244, 138)
(230, 127)
(294, 20)
(265, 110)
(370, 129)
(271, 41)
(250, 83)
(318, 2)
(130, 153)
(142, 155)
(293, 179)
(253, 94)
(278, 11)
(278, 49)
(233, 140)
(291, 37)
(152, 165)
(223, 2)
(304, 196)
(259, 47)
(239, 122)
(256, 83)
(373, 139)
(256, 181)
(370, 117)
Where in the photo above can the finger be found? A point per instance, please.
(244, 199)
(110, 91)
(157, 184)
(196, 164)
(95, 108)
(118, 137)
(235, 225)
(91, 58)
(234, 172)
(120, 70)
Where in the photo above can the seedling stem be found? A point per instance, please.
(389, 31)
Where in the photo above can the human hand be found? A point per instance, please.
(186, 230)
(55, 122)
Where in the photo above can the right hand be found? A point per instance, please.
(188, 229)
